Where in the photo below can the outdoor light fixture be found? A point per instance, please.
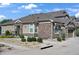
(51, 20)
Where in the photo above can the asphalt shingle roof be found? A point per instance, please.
(57, 16)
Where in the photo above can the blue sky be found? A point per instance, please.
(17, 10)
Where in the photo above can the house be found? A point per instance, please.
(44, 25)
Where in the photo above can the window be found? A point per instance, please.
(31, 27)
(57, 28)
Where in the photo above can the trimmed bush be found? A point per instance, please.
(63, 36)
(7, 33)
(22, 38)
(40, 40)
(31, 39)
(59, 39)
(77, 32)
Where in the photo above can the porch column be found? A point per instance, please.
(52, 29)
(21, 29)
(36, 29)
(73, 33)
(66, 31)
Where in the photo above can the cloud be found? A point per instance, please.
(57, 9)
(28, 6)
(2, 17)
(77, 14)
(36, 11)
(23, 6)
(67, 9)
(75, 11)
(72, 9)
(4, 4)
(15, 11)
(33, 8)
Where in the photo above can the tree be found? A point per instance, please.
(5, 20)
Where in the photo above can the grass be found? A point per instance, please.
(7, 37)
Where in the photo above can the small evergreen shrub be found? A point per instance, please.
(40, 40)
(31, 39)
(7, 33)
(77, 32)
(22, 38)
(63, 36)
(59, 39)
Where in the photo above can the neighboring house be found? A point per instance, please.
(71, 26)
(44, 25)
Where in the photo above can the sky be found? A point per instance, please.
(17, 10)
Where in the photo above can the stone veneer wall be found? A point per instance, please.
(44, 29)
(10, 28)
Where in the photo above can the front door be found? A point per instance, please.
(17, 29)
(70, 33)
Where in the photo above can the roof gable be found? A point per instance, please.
(17, 21)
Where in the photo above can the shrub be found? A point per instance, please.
(7, 33)
(59, 39)
(40, 40)
(31, 39)
(22, 38)
(77, 32)
(63, 36)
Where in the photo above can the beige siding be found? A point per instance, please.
(10, 28)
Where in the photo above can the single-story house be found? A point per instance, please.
(44, 25)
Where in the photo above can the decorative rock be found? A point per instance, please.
(2, 45)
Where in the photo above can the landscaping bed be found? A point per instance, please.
(17, 41)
